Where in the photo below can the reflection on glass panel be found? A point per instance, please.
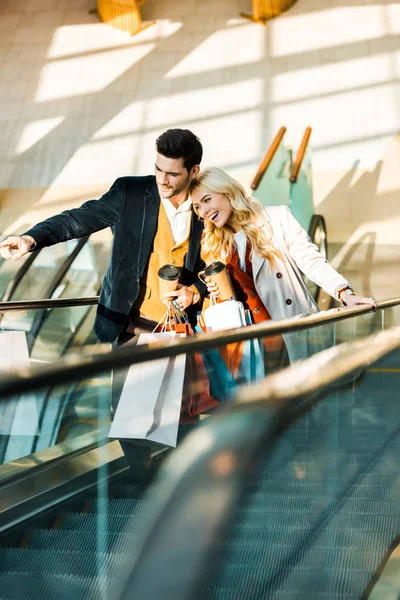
(38, 420)
(38, 277)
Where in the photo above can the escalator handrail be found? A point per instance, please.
(47, 303)
(294, 173)
(80, 367)
(207, 472)
(268, 158)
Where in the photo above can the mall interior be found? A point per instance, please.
(246, 479)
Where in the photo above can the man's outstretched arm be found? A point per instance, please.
(70, 224)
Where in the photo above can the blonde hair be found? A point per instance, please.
(218, 242)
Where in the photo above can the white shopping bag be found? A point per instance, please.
(19, 415)
(224, 315)
(150, 403)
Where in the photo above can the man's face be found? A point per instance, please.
(172, 177)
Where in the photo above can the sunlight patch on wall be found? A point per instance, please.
(343, 76)
(35, 131)
(128, 121)
(104, 161)
(204, 103)
(99, 37)
(326, 28)
(224, 48)
(355, 123)
(88, 74)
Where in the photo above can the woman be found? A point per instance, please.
(265, 250)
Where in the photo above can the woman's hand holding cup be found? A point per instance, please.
(212, 287)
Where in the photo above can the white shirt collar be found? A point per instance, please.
(184, 207)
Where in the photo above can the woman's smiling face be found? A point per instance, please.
(212, 206)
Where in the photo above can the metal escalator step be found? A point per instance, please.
(362, 491)
(132, 492)
(254, 520)
(80, 541)
(67, 563)
(313, 506)
(19, 586)
(90, 522)
(329, 538)
(115, 506)
(263, 555)
(292, 585)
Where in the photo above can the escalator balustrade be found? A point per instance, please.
(82, 541)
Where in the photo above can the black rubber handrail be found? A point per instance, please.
(81, 367)
(207, 472)
(47, 303)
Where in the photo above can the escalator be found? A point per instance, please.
(311, 515)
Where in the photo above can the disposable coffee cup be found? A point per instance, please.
(168, 276)
(218, 274)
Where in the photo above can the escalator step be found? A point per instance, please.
(18, 586)
(116, 506)
(131, 492)
(66, 563)
(363, 522)
(292, 538)
(90, 522)
(265, 555)
(79, 541)
(362, 491)
(314, 506)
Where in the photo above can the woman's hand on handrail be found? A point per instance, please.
(352, 300)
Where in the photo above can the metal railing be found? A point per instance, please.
(77, 367)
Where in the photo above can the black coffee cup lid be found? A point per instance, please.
(214, 268)
(169, 273)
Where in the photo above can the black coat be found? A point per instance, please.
(130, 208)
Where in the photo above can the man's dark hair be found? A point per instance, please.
(181, 143)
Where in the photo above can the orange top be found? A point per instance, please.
(246, 292)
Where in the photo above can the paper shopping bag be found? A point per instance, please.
(150, 403)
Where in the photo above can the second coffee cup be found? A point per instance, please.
(218, 274)
(168, 277)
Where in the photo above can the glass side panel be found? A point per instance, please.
(322, 508)
(197, 385)
(8, 271)
(36, 281)
(48, 334)
(301, 193)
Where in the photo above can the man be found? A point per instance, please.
(153, 224)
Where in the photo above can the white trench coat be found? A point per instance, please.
(281, 287)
